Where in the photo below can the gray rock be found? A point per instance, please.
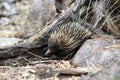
(7, 9)
(8, 42)
(97, 51)
(112, 72)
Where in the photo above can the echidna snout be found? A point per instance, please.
(48, 53)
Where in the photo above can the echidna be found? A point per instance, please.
(66, 39)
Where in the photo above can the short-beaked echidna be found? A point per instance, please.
(66, 39)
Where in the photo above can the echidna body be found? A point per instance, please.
(64, 40)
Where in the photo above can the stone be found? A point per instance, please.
(99, 51)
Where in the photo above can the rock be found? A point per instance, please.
(8, 42)
(112, 72)
(99, 51)
(116, 72)
(7, 9)
(9, 1)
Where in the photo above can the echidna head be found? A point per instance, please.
(54, 49)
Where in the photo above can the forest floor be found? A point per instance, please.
(29, 66)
